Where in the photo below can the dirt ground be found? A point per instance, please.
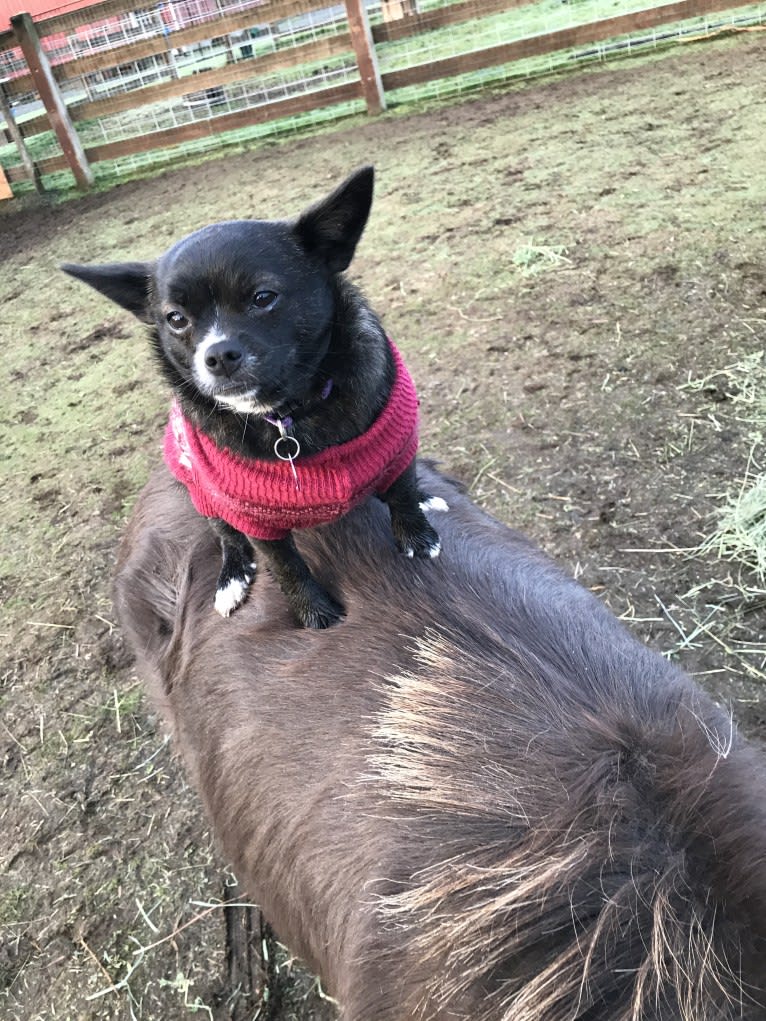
(557, 261)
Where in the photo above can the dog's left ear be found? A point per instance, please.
(126, 283)
(331, 229)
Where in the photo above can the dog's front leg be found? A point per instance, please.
(312, 606)
(414, 536)
(237, 569)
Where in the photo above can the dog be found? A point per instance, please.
(291, 403)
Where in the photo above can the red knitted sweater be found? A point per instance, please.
(261, 498)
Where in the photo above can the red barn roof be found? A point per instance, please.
(37, 8)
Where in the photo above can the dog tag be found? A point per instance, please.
(287, 448)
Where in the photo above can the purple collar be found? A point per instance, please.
(286, 422)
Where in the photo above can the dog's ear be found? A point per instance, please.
(126, 283)
(331, 229)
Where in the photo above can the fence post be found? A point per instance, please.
(13, 130)
(366, 58)
(47, 87)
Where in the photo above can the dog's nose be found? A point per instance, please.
(223, 358)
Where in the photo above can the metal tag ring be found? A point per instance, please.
(291, 455)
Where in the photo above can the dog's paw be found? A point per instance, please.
(319, 611)
(433, 503)
(435, 549)
(232, 591)
(423, 544)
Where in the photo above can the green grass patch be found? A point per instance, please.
(530, 259)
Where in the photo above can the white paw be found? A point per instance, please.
(435, 550)
(408, 551)
(232, 595)
(434, 503)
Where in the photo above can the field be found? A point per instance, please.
(574, 269)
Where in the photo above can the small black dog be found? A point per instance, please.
(291, 404)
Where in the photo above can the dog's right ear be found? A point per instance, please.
(331, 229)
(126, 283)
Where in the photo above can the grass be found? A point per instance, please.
(531, 259)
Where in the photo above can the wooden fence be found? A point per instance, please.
(71, 71)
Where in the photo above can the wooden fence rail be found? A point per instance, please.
(347, 37)
(551, 42)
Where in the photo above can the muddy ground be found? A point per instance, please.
(557, 261)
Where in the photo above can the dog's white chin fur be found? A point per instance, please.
(244, 405)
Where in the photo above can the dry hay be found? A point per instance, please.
(738, 539)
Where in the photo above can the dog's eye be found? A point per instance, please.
(264, 299)
(177, 321)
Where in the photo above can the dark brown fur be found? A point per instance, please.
(478, 797)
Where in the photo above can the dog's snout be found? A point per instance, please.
(223, 358)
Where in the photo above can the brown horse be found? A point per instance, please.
(477, 797)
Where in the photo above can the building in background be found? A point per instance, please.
(104, 33)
